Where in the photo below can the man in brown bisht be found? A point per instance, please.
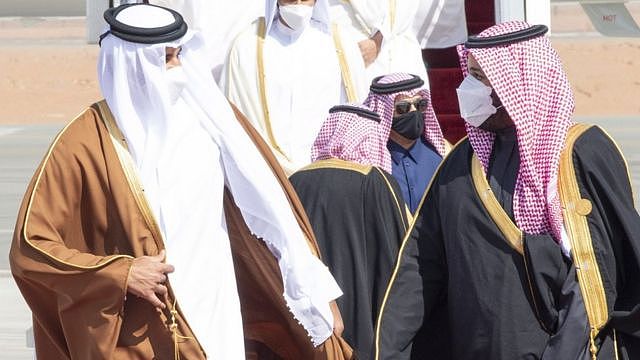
(159, 226)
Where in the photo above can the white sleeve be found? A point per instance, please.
(440, 24)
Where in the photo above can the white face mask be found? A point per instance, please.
(297, 16)
(176, 82)
(475, 101)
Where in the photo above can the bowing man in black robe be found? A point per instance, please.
(357, 213)
(529, 227)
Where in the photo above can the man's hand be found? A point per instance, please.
(370, 48)
(147, 277)
(338, 325)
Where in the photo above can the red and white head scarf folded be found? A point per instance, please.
(529, 79)
(353, 133)
(383, 104)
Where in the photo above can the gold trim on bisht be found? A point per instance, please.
(119, 143)
(626, 163)
(344, 70)
(25, 227)
(395, 198)
(508, 228)
(347, 80)
(392, 14)
(334, 163)
(575, 210)
(262, 33)
(130, 172)
(394, 275)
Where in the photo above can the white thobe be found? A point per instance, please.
(303, 81)
(440, 23)
(400, 50)
(197, 242)
(300, 91)
(219, 22)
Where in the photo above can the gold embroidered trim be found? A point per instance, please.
(395, 197)
(173, 326)
(334, 163)
(135, 185)
(447, 147)
(392, 14)
(577, 228)
(615, 344)
(511, 232)
(409, 214)
(262, 33)
(130, 172)
(344, 65)
(107, 259)
(626, 164)
(508, 228)
(344, 69)
(394, 275)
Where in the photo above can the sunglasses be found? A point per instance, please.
(404, 106)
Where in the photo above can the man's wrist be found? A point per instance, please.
(377, 37)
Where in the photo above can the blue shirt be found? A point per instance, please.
(413, 169)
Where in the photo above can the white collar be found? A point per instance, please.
(283, 31)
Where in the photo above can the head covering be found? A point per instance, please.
(133, 81)
(153, 24)
(381, 99)
(352, 133)
(526, 74)
(320, 14)
(132, 75)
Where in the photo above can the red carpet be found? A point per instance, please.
(445, 75)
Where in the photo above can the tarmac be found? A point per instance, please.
(21, 148)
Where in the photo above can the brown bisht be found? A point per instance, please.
(81, 223)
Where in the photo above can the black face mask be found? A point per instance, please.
(409, 125)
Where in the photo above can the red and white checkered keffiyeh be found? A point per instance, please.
(348, 136)
(383, 104)
(529, 79)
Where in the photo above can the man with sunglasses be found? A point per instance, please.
(415, 142)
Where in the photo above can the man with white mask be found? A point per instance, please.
(219, 22)
(528, 229)
(286, 70)
(162, 170)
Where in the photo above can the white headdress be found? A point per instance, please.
(132, 78)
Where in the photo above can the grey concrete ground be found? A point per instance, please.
(21, 149)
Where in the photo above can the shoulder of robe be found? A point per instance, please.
(338, 164)
(383, 175)
(596, 143)
(81, 131)
(455, 156)
(458, 147)
(247, 37)
(592, 139)
(386, 180)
